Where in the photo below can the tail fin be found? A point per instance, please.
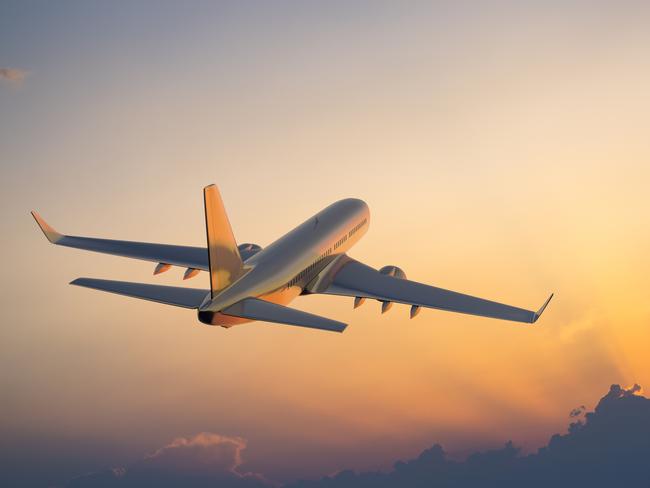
(223, 256)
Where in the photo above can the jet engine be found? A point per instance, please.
(247, 250)
(395, 272)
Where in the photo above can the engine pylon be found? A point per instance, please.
(358, 301)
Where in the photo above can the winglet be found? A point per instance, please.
(52, 235)
(539, 313)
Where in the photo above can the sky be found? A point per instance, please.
(503, 149)
(606, 447)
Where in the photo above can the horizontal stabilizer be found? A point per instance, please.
(169, 295)
(256, 309)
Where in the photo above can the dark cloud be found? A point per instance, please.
(610, 448)
(205, 460)
(12, 75)
(576, 412)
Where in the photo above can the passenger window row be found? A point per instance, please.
(340, 242)
(357, 227)
(296, 279)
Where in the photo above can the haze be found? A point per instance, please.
(503, 150)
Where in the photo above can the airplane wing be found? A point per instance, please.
(354, 279)
(169, 295)
(185, 256)
(257, 309)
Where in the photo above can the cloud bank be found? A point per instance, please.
(13, 75)
(205, 460)
(609, 447)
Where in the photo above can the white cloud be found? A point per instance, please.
(13, 75)
(205, 459)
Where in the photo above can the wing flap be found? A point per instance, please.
(356, 279)
(257, 309)
(169, 295)
(185, 256)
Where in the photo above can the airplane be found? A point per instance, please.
(249, 283)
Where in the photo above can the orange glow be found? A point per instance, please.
(503, 153)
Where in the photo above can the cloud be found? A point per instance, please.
(205, 460)
(617, 392)
(204, 453)
(610, 448)
(13, 75)
(578, 411)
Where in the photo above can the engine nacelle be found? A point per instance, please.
(247, 250)
(395, 272)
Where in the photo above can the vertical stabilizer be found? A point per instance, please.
(224, 260)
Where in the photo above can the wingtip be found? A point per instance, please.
(79, 282)
(52, 235)
(539, 313)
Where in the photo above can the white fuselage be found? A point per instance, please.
(280, 272)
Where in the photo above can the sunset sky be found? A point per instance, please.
(503, 149)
